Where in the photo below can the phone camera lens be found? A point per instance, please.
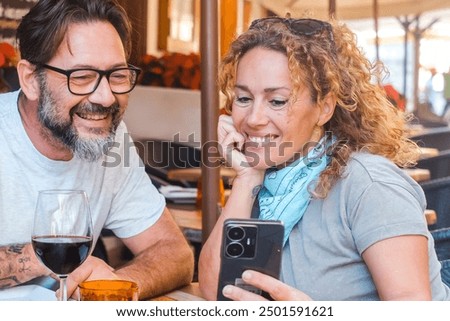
(236, 233)
(235, 249)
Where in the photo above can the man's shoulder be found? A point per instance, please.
(8, 102)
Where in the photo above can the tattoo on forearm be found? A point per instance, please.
(256, 190)
(15, 265)
(23, 265)
(16, 248)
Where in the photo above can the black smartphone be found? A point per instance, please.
(249, 244)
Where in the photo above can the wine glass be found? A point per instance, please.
(62, 232)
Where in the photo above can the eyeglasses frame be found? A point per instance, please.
(102, 73)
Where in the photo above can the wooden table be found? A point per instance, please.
(415, 130)
(190, 292)
(418, 174)
(430, 216)
(427, 152)
(194, 173)
(190, 222)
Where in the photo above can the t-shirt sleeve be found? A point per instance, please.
(386, 210)
(137, 204)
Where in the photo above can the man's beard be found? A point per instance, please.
(89, 149)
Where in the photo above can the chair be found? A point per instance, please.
(437, 192)
(160, 156)
(10, 78)
(435, 138)
(439, 166)
(427, 118)
(442, 246)
(100, 250)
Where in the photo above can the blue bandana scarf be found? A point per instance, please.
(284, 195)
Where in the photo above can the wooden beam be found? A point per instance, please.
(137, 12)
(209, 51)
(375, 21)
(228, 24)
(332, 8)
(163, 24)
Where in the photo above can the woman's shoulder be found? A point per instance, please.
(373, 167)
(369, 174)
(364, 169)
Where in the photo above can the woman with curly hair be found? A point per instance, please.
(316, 143)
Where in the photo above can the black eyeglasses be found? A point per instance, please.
(84, 81)
(306, 27)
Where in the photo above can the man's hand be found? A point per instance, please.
(278, 290)
(92, 269)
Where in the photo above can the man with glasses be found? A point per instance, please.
(60, 130)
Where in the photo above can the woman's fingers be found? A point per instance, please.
(278, 290)
(231, 142)
(237, 294)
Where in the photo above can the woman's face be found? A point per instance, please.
(275, 128)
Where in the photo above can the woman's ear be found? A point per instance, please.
(28, 80)
(326, 109)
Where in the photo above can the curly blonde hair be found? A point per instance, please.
(329, 62)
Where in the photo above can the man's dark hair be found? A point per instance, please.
(42, 30)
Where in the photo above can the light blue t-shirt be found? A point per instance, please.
(374, 200)
(121, 195)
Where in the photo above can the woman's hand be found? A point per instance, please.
(278, 290)
(231, 142)
(231, 147)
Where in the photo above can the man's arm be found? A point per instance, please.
(19, 264)
(163, 261)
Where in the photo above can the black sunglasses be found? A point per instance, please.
(305, 27)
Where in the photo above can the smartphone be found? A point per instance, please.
(249, 244)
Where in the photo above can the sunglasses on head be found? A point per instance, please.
(304, 27)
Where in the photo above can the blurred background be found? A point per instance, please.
(411, 37)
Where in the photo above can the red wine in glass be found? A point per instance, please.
(62, 232)
(62, 254)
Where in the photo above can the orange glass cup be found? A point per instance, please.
(108, 290)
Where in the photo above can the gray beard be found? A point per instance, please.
(91, 149)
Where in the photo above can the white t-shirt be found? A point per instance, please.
(121, 195)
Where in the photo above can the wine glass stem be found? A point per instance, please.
(62, 288)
